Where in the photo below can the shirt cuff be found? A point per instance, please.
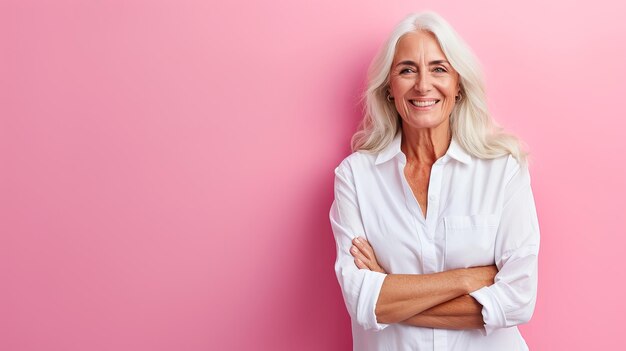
(493, 314)
(366, 314)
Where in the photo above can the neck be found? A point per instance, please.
(424, 146)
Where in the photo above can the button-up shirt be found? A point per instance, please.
(480, 212)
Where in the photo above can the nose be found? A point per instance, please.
(422, 83)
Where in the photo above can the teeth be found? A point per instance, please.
(423, 103)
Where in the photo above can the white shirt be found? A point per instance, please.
(480, 212)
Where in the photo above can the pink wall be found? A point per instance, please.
(166, 168)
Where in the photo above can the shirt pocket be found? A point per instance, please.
(470, 240)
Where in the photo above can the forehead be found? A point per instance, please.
(418, 45)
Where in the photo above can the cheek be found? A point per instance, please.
(400, 107)
(447, 87)
(393, 88)
(399, 87)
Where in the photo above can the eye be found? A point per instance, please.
(406, 70)
(441, 70)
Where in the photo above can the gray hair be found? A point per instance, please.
(470, 122)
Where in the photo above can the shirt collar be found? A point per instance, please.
(454, 151)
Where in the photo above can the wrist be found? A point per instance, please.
(470, 280)
(465, 281)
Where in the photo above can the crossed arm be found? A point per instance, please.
(438, 300)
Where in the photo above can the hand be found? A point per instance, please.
(364, 256)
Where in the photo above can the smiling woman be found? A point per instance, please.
(434, 217)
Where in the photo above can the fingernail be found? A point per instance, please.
(357, 239)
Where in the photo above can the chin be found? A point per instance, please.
(420, 123)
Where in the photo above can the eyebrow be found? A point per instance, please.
(411, 63)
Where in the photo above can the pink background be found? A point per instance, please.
(167, 167)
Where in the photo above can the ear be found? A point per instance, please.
(388, 93)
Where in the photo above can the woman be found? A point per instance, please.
(434, 218)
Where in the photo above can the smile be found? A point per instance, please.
(423, 105)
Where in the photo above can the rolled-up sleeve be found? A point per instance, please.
(360, 287)
(511, 299)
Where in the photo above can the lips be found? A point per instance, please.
(423, 103)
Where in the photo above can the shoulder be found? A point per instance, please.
(516, 171)
(506, 167)
(358, 161)
(352, 169)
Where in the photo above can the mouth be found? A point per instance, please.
(424, 104)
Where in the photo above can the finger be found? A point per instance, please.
(360, 244)
(365, 248)
(358, 254)
(367, 253)
(369, 264)
(360, 264)
(354, 250)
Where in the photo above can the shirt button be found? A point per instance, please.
(432, 198)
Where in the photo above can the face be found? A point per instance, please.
(422, 82)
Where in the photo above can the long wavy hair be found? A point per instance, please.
(470, 121)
